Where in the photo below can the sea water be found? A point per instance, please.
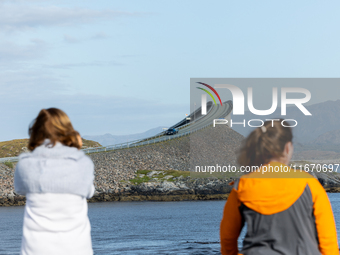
(188, 227)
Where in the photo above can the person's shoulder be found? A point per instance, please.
(313, 182)
(24, 155)
(265, 179)
(85, 161)
(59, 152)
(56, 151)
(24, 160)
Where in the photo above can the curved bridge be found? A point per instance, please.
(197, 123)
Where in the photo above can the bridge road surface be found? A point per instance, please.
(215, 112)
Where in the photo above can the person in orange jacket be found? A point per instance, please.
(286, 210)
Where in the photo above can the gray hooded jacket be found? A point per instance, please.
(58, 169)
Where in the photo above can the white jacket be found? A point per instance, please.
(55, 220)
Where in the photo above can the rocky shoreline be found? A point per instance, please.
(179, 189)
(161, 187)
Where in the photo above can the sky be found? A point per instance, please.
(124, 67)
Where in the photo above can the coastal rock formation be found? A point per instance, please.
(158, 186)
(186, 188)
(178, 154)
(6, 180)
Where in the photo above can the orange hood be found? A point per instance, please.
(272, 192)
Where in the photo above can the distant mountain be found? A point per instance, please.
(329, 142)
(331, 137)
(315, 137)
(325, 118)
(109, 139)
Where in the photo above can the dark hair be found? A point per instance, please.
(55, 125)
(265, 143)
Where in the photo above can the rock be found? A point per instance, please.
(167, 177)
(152, 173)
(11, 196)
(182, 185)
(167, 186)
(180, 178)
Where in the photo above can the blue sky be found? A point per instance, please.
(124, 67)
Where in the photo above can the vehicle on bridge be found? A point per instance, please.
(171, 131)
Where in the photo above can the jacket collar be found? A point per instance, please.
(47, 150)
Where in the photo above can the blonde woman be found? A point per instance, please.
(56, 178)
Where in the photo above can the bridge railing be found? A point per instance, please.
(133, 144)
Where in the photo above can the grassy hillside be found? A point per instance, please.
(90, 144)
(14, 147)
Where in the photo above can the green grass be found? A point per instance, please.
(9, 164)
(139, 180)
(143, 171)
(175, 173)
(162, 173)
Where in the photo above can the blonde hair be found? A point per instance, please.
(265, 143)
(55, 125)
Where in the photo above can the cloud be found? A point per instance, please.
(21, 1)
(97, 36)
(10, 51)
(24, 93)
(31, 83)
(93, 63)
(90, 114)
(15, 17)
(71, 39)
(100, 36)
